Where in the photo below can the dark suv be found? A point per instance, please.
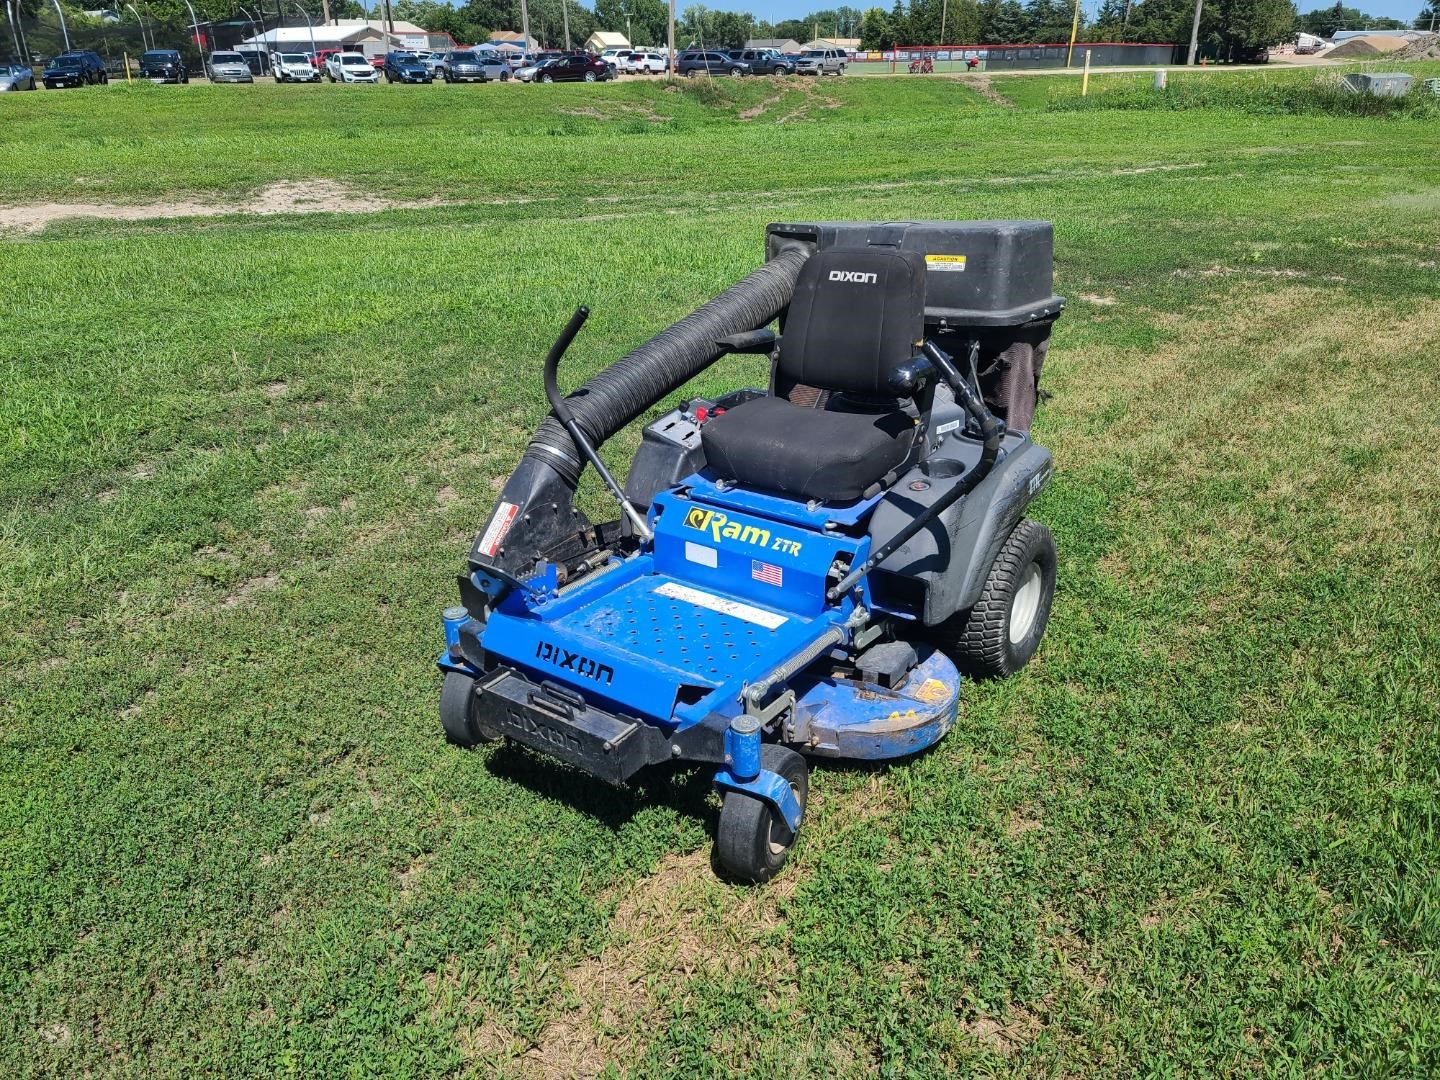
(763, 61)
(163, 65)
(75, 69)
(710, 63)
(575, 68)
(405, 67)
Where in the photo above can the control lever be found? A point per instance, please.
(567, 418)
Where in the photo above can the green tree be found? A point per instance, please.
(648, 20)
(1003, 22)
(875, 30)
(1256, 23)
(1050, 20)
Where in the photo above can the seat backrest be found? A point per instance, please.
(856, 315)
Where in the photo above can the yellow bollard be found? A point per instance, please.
(128, 79)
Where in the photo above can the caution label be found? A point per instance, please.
(498, 529)
(945, 264)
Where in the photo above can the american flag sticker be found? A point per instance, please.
(764, 571)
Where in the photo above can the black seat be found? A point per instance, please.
(855, 317)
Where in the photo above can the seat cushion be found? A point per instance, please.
(770, 444)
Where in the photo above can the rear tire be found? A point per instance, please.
(753, 841)
(457, 710)
(999, 635)
(589, 76)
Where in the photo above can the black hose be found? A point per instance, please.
(635, 382)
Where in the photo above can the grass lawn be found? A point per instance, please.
(242, 458)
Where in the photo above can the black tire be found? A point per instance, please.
(457, 710)
(589, 76)
(504, 76)
(547, 78)
(980, 640)
(753, 842)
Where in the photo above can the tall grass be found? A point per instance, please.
(1263, 94)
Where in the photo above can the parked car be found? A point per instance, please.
(405, 67)
(16, 77)
(821, 62)
(322, 56)
(228, 67)
(293, 67)
(695, 62)
(575, 69)
(644, 63)
(350, 67)
(378, 62)
(163, 66)
(527, 72)
(764, 61)
(467, 65)
(74, 69)
(434, 63)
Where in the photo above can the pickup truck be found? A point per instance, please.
(764, 61)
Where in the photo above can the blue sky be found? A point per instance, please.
(775, 10)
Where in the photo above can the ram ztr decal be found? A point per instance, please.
(719, 527)
(567, 660)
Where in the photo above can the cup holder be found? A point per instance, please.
(942, 468)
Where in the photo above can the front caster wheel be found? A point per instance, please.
(457, 710)
(999, 635)
(753, 841)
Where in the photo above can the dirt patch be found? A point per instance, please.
(982, 85)
(249, 589)
(666, 929)
(1004, 1035)
(276, 389)
(283, 197)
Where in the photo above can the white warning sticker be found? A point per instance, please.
(699, 553)
(498, 528)
(758, 616)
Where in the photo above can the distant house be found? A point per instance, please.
(515, 38)
(784, 45)
(358, 38)
(404, 35)
(845, 44)
(601, 40)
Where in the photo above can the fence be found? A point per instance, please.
(1003, 58)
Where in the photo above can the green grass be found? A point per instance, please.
(242, 458)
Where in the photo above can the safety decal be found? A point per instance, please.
(498, 528)
(758, 616)
(949, 264)
(769, 573)
(699, 553)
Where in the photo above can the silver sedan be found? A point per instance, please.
(16, 77)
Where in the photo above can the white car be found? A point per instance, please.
(293, 67)
(616, 57)
(644, 63)
(351, 67)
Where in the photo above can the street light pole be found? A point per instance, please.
(314, 49)
(65, 30)
(195, 29)
(255, 38)
(10, 14)
(141, 21)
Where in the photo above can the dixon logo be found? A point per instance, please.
(854, 277)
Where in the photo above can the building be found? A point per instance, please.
(405, 35)
(845, 44)
(360, 38)
(601, 40)
(784, 45)
(515, 38)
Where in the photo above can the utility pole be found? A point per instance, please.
(1074, 32)
(525, 26)
(670, 60)
(565, 18)
(944, 11)
(1195, 34)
